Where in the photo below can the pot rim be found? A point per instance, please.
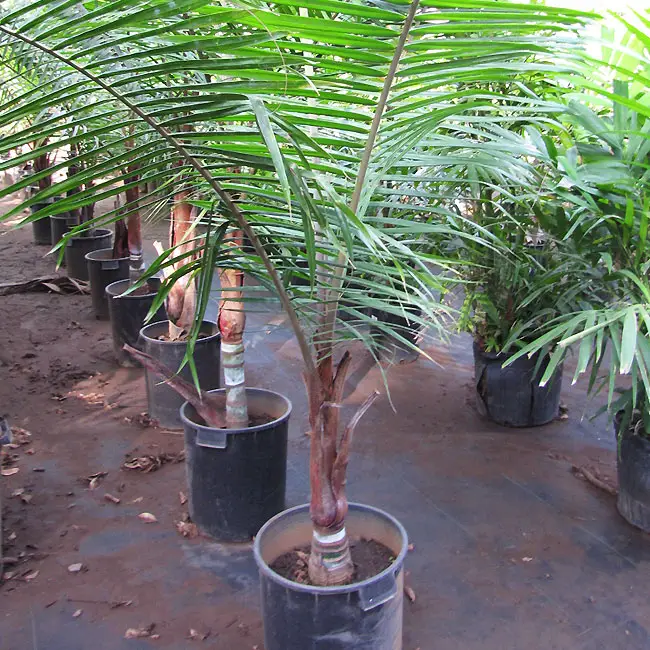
(210, 337)
(98, 233)
(260, 427)
(130, 296)
(89, 256)
(340, 589)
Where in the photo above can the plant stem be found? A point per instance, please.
(330, 561)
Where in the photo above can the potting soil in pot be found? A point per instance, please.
(369, 557)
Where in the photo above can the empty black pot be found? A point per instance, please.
(237, 477)
(512, 396)
(365, 615)
(128, 313)
(78, 247)
(164, 402)
(634, 479)
(103, 270)
(41, 227)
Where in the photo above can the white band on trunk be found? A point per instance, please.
(232, 348)
(330, 539)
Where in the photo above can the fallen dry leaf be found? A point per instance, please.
(195, 635)
(112, 499)
(26, 498)
(527, 559)
(8, 575)
(30, 576)
(76, 568)
(140, 632)
(19, 437)
(9, 471)
(151, 463)
(147, 517)
(137, 500)
(93, 480)
(17, 492)
(182, 498)
(78, 613)
(12, 537)
(187, 529)
(410, 594)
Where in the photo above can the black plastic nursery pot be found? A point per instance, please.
(103, 270)
(41, 227)
(634, 479)
(78, 247)
(164, 402)
(512, 396)
(237, 477)
(59, 226)
(407, 328)
(365, 615)
(128, 313)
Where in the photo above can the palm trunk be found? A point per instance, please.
(330, 562)
(134, 222)
(74, 168)
(181, 300)
(41, 163)
(232, 320)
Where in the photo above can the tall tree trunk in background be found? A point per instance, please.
(74, 167)
(232, 321)
(134, 222)
(41, 163)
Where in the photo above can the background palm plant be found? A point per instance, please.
(298, 106)
(606, 174)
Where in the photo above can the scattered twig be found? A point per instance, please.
(113, 604)
(591, 477)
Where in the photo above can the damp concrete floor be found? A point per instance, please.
(511, 550)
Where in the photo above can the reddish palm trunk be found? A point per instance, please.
(181, 300)
(41, 163)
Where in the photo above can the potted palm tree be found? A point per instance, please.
(608, 228)
(316, 190)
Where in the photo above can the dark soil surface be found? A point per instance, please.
(370, 558)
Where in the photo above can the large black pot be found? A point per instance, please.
(164, 402)
(78, 247)
(512, 396)
(41, 227)
(365, 615)
(237, 477)
(128, 313)
(634, 479)
(104, 269)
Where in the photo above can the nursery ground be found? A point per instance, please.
(511, 550)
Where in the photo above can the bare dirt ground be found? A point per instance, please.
(59, 382)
